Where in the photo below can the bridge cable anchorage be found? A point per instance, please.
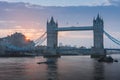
(41, 39)
(112, 38)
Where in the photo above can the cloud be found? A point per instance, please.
(115, 2)
(30, 33)
(101, 3)
(7, 9)
(5, 21)
(29, 3)
(12, 24)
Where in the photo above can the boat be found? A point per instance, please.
(107, 59)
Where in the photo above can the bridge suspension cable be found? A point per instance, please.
(112, 38)
(40, 42)
(41, 39)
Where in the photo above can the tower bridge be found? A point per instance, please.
(97, 28)
(52, 38)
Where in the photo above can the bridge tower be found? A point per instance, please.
(52, 36)
(98, 29)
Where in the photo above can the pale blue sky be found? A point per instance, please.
(66, 2)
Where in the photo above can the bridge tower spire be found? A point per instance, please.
(52, 36)
(98, 27)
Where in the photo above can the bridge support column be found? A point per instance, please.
(98, 49)
(52, 37)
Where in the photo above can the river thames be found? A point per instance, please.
(64, 68)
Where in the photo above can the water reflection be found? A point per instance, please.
(52, 69)
(65, 68)
(99, 71)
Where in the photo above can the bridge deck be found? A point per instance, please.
(84, 49)
(112, 49)
(82, 28)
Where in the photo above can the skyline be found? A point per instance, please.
(33, 25)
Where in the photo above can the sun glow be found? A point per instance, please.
(27, 38)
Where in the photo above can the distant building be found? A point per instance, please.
(16, 40)
(60, 44)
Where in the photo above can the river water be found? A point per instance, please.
(64, 68)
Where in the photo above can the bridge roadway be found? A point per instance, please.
(112, 49)
(83, 49)
(73, 28)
